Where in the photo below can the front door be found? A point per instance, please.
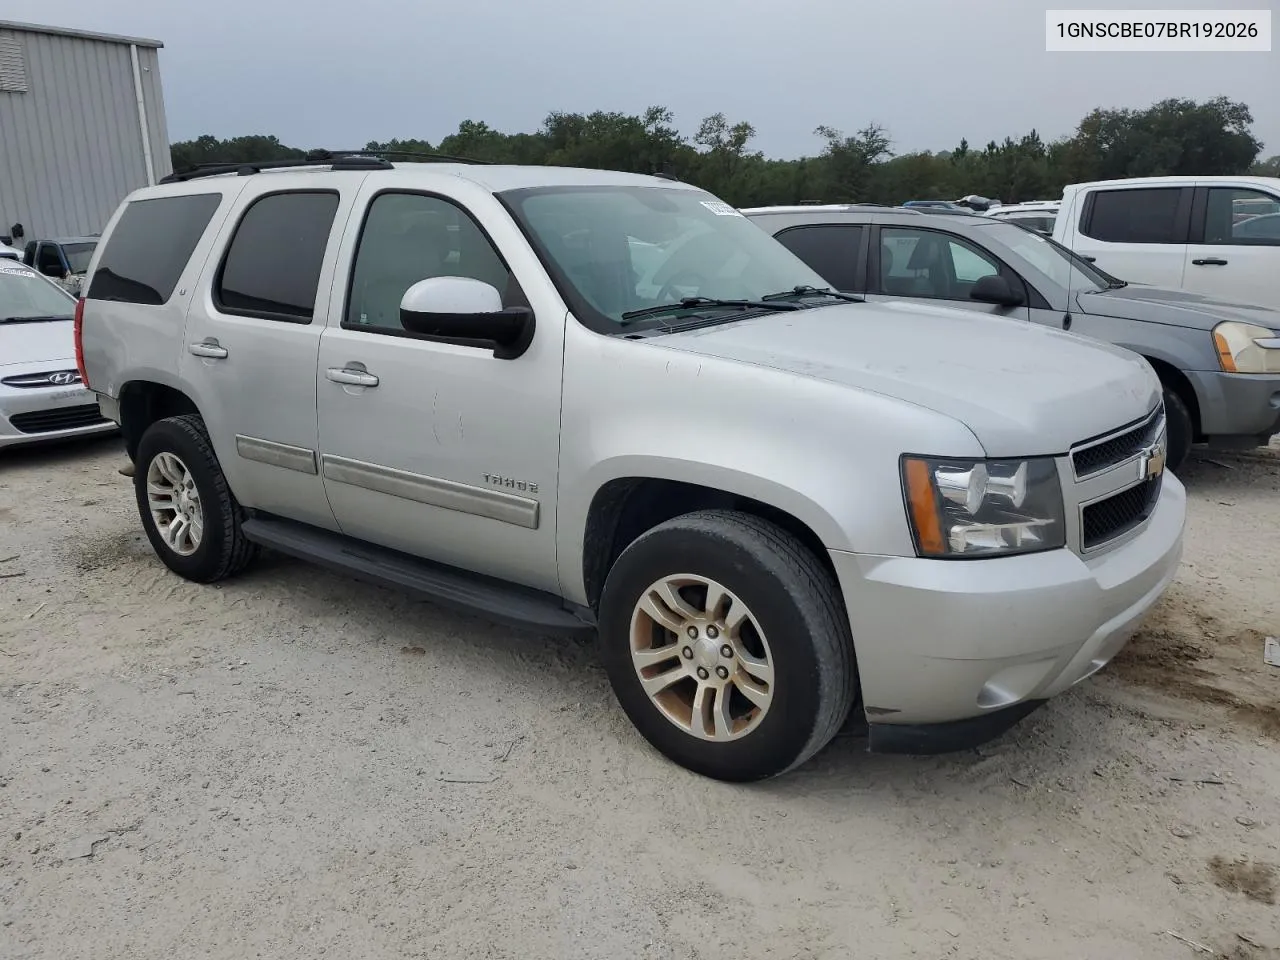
(932, 266)
(1235, 248)
(438, 448)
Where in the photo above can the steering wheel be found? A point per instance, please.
(666, 293)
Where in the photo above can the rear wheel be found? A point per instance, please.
(187, 509)
(726, 643)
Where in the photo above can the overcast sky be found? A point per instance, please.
(337, 74)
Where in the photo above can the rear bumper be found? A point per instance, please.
(1237, 404)
(943, 641)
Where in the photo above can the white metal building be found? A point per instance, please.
(81, 125)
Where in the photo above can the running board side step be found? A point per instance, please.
(511, 605)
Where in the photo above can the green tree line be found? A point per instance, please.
(1171, 137)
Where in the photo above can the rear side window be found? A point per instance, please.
(1136, 216)
(830, 250)
(1246, 217)
(150, 246)
(272, 267)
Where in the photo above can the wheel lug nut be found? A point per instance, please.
(722, 673)
(687, 653)
(702, 673)
(727, 652)
(712, 632)
(693, 633)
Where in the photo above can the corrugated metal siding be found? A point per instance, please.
(71, 146)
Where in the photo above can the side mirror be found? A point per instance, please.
(996, 289)
(469, 311)
(49, 270)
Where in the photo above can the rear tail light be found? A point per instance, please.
(84, 377)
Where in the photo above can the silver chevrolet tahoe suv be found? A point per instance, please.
(604, 403)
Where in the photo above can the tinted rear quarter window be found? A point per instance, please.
(830, 249)
(1135, 216)
(146, 252)
(272, 267)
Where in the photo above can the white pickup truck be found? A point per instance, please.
(1218, 237)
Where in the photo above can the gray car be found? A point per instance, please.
(41, 393)
(1219, 362)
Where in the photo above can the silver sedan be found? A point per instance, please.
(41, 394)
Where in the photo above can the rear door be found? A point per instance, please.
(1138, 234)
(926, 265)
(835, 251)
(253, 335)
(1234, 253)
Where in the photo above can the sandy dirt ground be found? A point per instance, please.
(293, 765)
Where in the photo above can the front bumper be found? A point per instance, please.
(951, 640)
(1237, 404)
(41, 414)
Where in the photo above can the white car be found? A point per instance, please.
(9, 253)
(1198, 234)
(1037, 215)
(41, 394)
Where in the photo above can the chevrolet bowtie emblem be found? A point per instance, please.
(1152, 464)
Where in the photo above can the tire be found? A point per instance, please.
(796, 622)
(1179, 428)
(222, 550)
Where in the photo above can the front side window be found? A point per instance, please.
(149, 247)
(1147, 215)
(49, 262)
(829, 248)
(25, 295)
(1248, 217)
(1063, 268)
(613, 250)
(409, 237)
(272, 267)
(925, 263)
(78, 255)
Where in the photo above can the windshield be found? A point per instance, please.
(615, 250)
(24, 293)
(1051, 258)
(78, 255)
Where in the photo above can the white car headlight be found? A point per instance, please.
(1245, 348)
(962, 509)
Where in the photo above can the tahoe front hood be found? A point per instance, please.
(1022, 389)
(37, 341)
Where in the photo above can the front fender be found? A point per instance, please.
(821, 452)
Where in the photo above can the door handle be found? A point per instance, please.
(1210, 262)
(1089, 259)
(209, 348)
(355, 378)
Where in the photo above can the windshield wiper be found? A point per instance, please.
(804, 290)
(690, 303)
(34, 319)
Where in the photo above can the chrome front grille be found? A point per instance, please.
(54, 378)
(1104, 520)
(1097, 454)
(1118, 478)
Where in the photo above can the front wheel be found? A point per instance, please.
(187, 509)
(726, 643)
(1179, 429)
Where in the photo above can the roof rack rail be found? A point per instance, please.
(334, 159)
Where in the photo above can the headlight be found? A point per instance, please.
(1244, 348)
(961, 509)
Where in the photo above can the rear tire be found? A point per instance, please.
(1179, 428)
(749, 689)
(187, 509)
